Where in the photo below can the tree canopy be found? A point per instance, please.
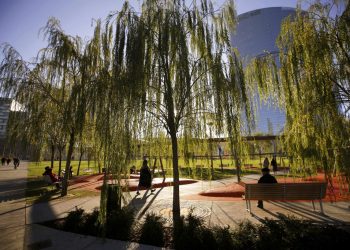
(312, 85)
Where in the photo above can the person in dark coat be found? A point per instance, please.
(266, 178)
(266, 162)
(3, 160)
(8, 161)
(145, 177)
(274, 164)
(16, 162)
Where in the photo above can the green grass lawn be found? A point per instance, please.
(37, 168)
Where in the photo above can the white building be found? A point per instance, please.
(5, 107)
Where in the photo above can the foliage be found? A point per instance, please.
(283, 233)
(91, 225)
(119, 224)
(312, 85)
(193, 234)
(173, 67)
(74, 221)
(152, 231)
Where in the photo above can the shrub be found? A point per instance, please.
(193, 234)
(245, 236)
(74, 221)
(288, 233)
(91, 224)
(152, 231)
(119, 224)
(223, 237)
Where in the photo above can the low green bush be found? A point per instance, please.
(119, 224)
(74, 221)
(91, 225)
(193, 233)
(223, 237)
(152, 231)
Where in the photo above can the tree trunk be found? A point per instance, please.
(69, 156)
(52, 154)
(238, 166)
(176, 190)
(222, 167)
(81, 155)
(60, 149)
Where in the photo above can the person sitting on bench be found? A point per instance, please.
(53, 177)
(266, 178)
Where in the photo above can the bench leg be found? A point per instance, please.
(313, 205)
(321, 206)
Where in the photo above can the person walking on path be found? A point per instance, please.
(16, 162)
(3, 160)
(145, 178)
(8, 161)
(266, 163)
(266, 178)
(274, 164)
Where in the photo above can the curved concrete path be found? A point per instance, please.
(17, 220)
(12, 206)
(20, 231)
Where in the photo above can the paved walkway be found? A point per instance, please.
(20, 231)
(215, 212)
(12, 206)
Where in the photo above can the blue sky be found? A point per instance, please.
(21, 20)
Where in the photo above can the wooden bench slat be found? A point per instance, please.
(286, 191)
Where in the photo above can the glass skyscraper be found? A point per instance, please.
(255, 35)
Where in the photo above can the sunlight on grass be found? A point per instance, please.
(37, 168)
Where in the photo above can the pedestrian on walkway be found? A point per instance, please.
(16, 162)
(3, 160)
(274, 164)
(266, 178)
(8, 161)
(145, 178)
(266, 163)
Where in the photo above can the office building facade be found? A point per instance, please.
(255, 35)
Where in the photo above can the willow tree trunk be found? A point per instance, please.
(81, 155)
(60, 149)
(176, 190)
(222, 167)
(69, 156)
(52, 154)
(238, 166)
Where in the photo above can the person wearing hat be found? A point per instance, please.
(265, 178)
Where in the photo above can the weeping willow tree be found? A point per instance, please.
(312, 85)
(168, 68)
(37, 120)
(57, 82)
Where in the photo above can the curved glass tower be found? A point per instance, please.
(256, 33)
